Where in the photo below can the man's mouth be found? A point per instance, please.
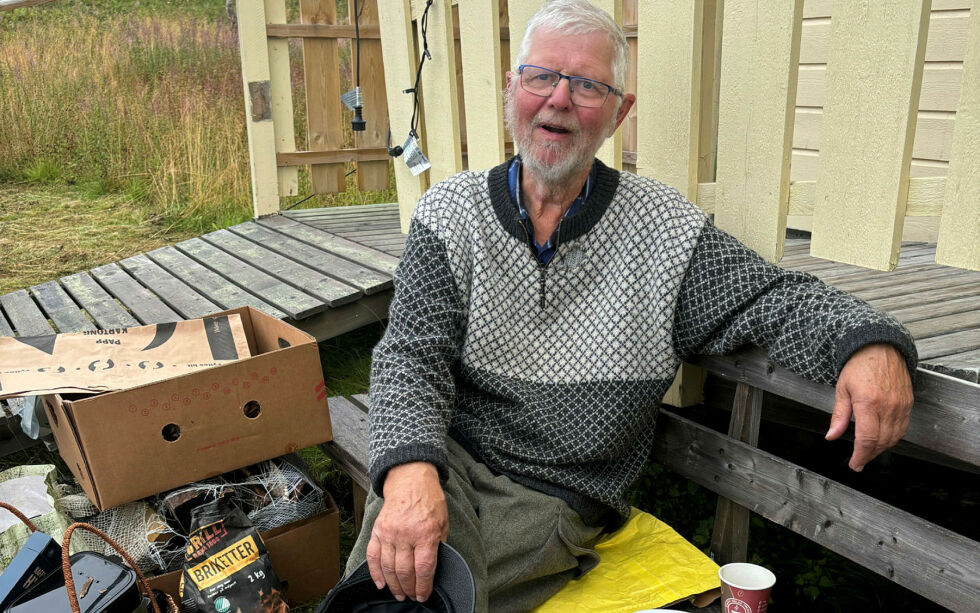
(554, 129)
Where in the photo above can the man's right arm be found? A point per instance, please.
(412, 397)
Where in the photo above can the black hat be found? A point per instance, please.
(453, 591)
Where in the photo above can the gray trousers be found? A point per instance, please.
(521, 545)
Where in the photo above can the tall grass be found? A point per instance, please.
(146, 105)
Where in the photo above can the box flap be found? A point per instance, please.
(69, 446)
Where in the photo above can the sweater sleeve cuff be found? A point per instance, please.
(870, 334)
(404, 455)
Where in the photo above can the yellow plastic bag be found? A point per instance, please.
(643, 565)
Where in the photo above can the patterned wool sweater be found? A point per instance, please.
(553, 375)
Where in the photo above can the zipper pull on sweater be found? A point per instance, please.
(543, 301)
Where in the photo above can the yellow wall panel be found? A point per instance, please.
(874, 71)
(282, 98)
(479, 27)
(959, 232)
(398, 49)
(669, 92)
(258, 118)
(440, 99)
(755, 122)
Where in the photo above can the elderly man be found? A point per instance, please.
(541, 311)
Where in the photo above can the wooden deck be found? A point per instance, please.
(329, 271)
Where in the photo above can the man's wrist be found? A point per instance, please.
(411, 472)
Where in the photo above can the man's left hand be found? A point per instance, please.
(875, 388)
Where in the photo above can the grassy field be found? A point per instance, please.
(132, 113)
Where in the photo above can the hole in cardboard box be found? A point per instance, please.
(251, 409)
(171, 432)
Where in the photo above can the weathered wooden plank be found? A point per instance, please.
(281, 97)
(945, 324)
(913, 287)
(25, 317)
(102, 307)
(209, 283)
(16, 405)
(256, 77)
(345, 210)
(916, 312)
(174, 292)
(901, 277)
(143, 304)
(944, 417)
(351, 316)
(305, 279)
(371, 175)
(755, 122)
(294, 303)
(349, 447)
(873, 84)
(959, 229)
(398, 49)
(60, 308)
(364, 279)
(479, 26)
(948, 344)
(9, 5)
(964, 365)
(730, 537)
(669, 88)
(321, 74)
(925, 297)
(923, 557)
(440, 104)
(350, 250)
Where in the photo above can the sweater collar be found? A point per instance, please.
(575, 225)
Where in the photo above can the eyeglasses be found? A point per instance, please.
(583, 92)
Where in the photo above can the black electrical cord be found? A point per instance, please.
(413, 127)
(357, 124)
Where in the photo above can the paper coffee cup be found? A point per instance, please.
(745, 587)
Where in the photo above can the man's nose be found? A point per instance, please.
(561, 95)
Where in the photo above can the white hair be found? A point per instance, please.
(575, 18)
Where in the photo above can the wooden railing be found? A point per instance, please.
(857, 120)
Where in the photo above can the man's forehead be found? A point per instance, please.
(595, 47)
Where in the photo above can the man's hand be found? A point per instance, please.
(405, 538)
(874, 386)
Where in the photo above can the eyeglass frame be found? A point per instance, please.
(612, 90)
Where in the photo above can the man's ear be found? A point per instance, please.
(509, 75)
(624, 109)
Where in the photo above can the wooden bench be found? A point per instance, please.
(930, 560)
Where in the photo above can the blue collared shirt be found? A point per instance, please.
(546, 251)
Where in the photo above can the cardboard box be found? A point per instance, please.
(126, 445)
(305, 555)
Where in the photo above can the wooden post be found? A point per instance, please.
(959, 230)
(479, 37)
(258, 107)
(371, 175)
(281, 95)
(321, 74)
(611, 151)
(669, 119)
(730, 537)
(440, 100)
(874, 75)
(398, 49)
(755, 122)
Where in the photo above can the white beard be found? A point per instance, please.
(556, 174)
